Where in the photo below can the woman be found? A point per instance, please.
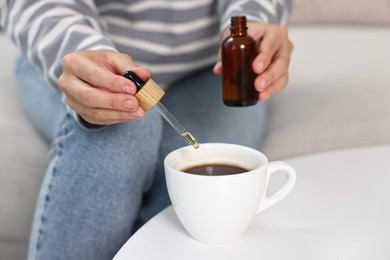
(105, 176)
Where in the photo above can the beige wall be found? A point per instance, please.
(341, 11)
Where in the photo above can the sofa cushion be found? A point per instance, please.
(23, 159)
(338, 95)
(341, 11)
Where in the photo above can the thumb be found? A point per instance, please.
(218, 65)
(121, 62)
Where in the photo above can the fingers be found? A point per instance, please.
(103, 116)
(99, 106)
(95, 89)
(99, 98)
(274, 72)
(272, 89)
(99, 117)
(276, 69)
(218, 65)
(104, 70)
(270, 41)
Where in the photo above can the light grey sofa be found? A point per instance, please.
(338, 97)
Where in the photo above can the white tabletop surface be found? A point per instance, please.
(338, 210)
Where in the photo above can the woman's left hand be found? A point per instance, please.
(273, 59)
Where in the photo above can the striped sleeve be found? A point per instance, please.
(168, 36)
(264, 11)
(45, 31)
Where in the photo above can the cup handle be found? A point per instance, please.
(283, 191)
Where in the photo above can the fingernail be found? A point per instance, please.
(136, 114)
(128, 104)
(127, 89)
(259, 66)
(263, 84)
(217, 66)
(265, 96)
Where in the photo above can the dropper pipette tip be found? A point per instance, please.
(195, 145)
(190, 139)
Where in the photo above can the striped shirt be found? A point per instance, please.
(170, 37)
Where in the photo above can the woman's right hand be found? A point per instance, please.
(96, 90)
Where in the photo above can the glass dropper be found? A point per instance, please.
(149, 95)
(190, 139)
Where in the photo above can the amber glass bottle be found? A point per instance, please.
(238, 53)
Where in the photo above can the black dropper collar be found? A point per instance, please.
(139, 83)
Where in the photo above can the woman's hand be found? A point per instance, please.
(273, 59)
(95, 88)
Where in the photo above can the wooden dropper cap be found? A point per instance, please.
(148, 93)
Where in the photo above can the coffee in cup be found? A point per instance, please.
(215, 169)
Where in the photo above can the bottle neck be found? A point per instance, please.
(238, 26)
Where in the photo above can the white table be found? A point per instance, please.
(339, 209)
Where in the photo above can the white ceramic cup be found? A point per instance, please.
(218, 209)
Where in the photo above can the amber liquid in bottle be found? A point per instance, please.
(238, 53)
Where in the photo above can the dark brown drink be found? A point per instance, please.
(215, 169)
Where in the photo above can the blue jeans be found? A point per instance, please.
(101, 185)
